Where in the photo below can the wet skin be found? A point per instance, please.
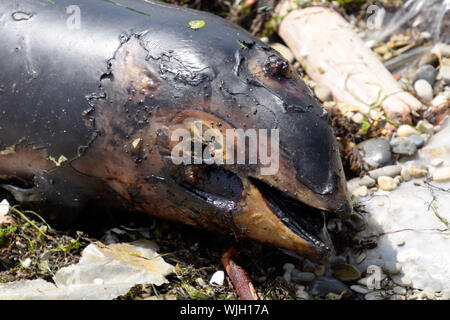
(108, 97)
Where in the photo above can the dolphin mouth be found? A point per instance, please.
(305, 221)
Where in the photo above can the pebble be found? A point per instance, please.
(324, 285)
(405, 131)
(377, 295)
(358, 118)
(403, 146)
(375, 152)
(399, 290)
(437, 162)
(284, 51)
(418, 140)
(428, 293)
(200, 282)
(426, 72)
(387, 183)
(398, 180)
(361, 258)
(429, 58)
(396, 297)
(405, 174)
(323, 92)
(389, 171)
(425, 126)
(417, 172)
(346, 272)
(302, 294)
(26, 263)
(445, 73)
(361, 191)
(302, 277)
(423, 90)
(391, 267)
(288, 267)
(98, 281)
(367, 181)
(412, 297)
(399, 242)
(217, 278)
(360, 289)
(441, 174)
(444, 49)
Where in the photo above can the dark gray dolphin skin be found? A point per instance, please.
(92, 90)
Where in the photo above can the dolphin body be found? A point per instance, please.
(92, 91)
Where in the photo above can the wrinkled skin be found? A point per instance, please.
(109, 95)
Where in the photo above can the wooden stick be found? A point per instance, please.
(334, 55)
(239, 277)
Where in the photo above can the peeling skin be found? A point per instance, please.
(113, 100)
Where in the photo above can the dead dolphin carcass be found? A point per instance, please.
(92, 93)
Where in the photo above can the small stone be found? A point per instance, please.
(399, 242)
(358, 118)
(428, 293)
(200, 282)
(389, 171)
(391, 267)
(288, 267)
(425, 126)
(430, 59)
(424, 90)
(398, 180)
(217, 278)
(4, 207)
(417, 172)
(437, 162)
(324, 285)
(397, 297)
(399, 290)
(376, 295)
(405, 131)
(367, 181)
(323, 92)
(360, 289)
(320, 270)
(375, 152)
(403, 146)
(302, 294)
(308, 266)
(444, 49)
(441, 174)
(387, 183)
(137, 143)
(444, 72)
(98, 281)
(302, 277)
(418, 140)
(426, 72)
(285, 52)
(361, 191)
(26, 263)
(346, 272)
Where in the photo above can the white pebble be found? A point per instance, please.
(367, 181)
(405, 174)
(360, 289)
(392, 267)
(98, 281)
(4, 207)
(358, 118)
(360, 258)
(406, 130)
(423, 90)
(217, 278)
(400, 290)
(442, 174)
(26, 263)
(374, 296)
(417, 172)
(437, 162)
(445, 294)
(302, 294)
(361, 191)
(389, 171)
(387, 183)
(428, 293)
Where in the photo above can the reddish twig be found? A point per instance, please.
(239, 277)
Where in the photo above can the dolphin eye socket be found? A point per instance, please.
(275, 66)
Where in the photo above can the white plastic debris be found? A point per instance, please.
(103, 273)
(4, 209)
(418, 212)
(217, 278)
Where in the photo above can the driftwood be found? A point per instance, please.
(334, 55)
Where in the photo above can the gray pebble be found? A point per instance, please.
(308, 266)
(323, 92)
(396, 297)
(324, 285)
(424, 90)
(419, 141)
(360, 289)
(302, 294)
(389, 171)
(377, 295)
(400, 290)
(391, 267)
(427, 73)
(403, 146)
(375, 152)
(346, 272)
(367, 181)
(302, 277)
